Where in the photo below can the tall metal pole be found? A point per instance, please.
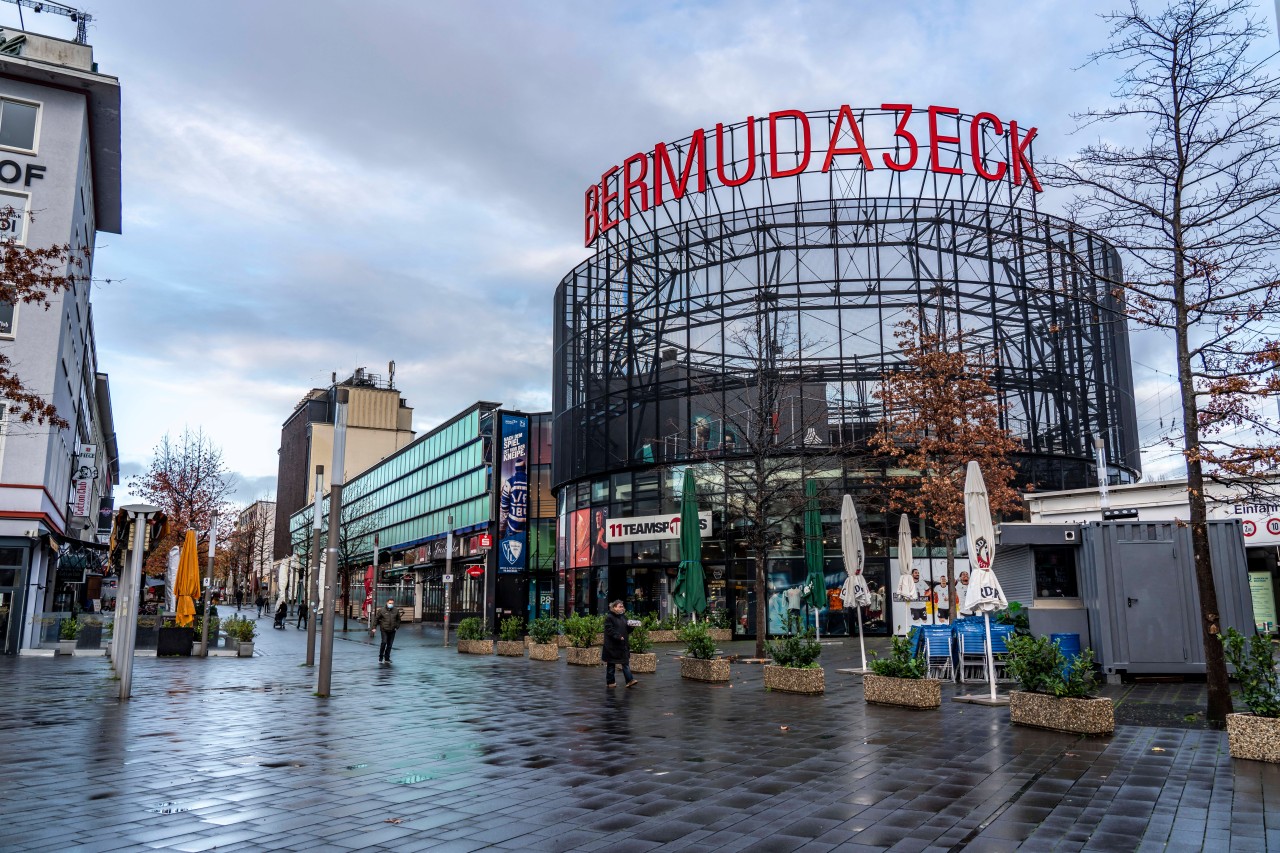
(448, 574)
(1100, 457)
(313, 582)
(373, 585)
(335, 519)
(208, 584)
(124, 663)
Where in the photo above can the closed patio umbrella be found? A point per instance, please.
(187, 585)
(854, 593)
(984, 594)
(815, 587)
(689, 590)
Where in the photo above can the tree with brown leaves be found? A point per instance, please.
(188, 480)
(1195, 207)
(940, 411)
(33, 277)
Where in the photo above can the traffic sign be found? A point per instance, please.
(448, 578)
(475, 571)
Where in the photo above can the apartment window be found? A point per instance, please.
(18, 124)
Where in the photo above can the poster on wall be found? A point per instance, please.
(599, 547)
(1262, 591)
(513, 502)
(931, 603)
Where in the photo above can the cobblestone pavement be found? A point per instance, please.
(448, 752)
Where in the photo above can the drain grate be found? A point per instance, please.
(167, 808)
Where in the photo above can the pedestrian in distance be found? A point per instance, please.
(261, 601)
(239, 599)
(617, 645)
(302, 616)
(388, 621)
(282, 613)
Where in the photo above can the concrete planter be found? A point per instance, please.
(544, 651)
(663, 637)
(585, 657)
(244, 648)
(475, 647)
(918, 693)
(1076, 716)
(562, 642)
(1253, 737)
(788, 679)
(511, 648)
(698, 669)
(722, 635)
(644, 662)
(66, 647)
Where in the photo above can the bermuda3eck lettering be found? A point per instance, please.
(653, 178)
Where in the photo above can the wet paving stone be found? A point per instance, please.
(450, 752)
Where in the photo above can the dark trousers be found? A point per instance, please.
(384, 651)
(302, 618)
(610, 668)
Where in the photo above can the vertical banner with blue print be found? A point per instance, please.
(513, 502)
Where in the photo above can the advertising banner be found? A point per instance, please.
(650, 527)
(581, 538)
(513, 503)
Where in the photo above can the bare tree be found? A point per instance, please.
(940, 412)
(773, 432)
(1194, 205)
(355, 540)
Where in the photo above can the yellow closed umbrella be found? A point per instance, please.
(187, 585)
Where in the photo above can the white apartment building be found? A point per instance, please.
(60, 170)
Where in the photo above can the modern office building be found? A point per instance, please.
(484, 476)
(60, 175)
(755, 273)
(380, 422)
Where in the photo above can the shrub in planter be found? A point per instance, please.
(700, 662)
(543, 634)
(900, 679)
(795, 666)
(68, 630)
(471, 637)
(510, 643)
(642, 660)
(1255, 735)
(583, 630)
(1055, 691)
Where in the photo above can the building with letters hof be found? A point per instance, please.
(786, 249)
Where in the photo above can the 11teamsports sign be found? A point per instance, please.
(650, 178)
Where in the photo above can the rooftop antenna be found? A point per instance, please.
(391, 371)
(80, 19)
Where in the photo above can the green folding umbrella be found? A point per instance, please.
(815, 588)
(689, 589)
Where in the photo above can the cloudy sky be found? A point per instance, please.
(307, 189)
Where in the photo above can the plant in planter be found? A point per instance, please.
(721, 624)
(665, 630)
(639, 641)
(510, 642)
(1056, 692)
(246, 629)
(900, 679)
(701, 661)
(582, 632)
(1255, 735)
(543, 633)
(68, 630)
(795, 666)
(472, 639)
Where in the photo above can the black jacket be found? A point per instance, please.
(617, 647)
(387, 619)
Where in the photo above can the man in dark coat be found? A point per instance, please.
(617, 647)
(387, 620)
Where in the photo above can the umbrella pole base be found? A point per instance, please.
(983, 699)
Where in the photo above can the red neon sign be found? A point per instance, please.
(652, 178)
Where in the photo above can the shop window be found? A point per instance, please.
(18, 124)
(1056, 573)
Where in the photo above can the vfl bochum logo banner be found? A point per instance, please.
(513, 503)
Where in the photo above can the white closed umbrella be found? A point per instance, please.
(984, 594)
(854, 593)
(906, 586)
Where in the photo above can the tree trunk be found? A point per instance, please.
(762, 602)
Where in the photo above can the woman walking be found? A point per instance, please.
(617, 645)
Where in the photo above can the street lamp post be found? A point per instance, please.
(313, 582)
(335, 518)
(208, 585)
(126, 600)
